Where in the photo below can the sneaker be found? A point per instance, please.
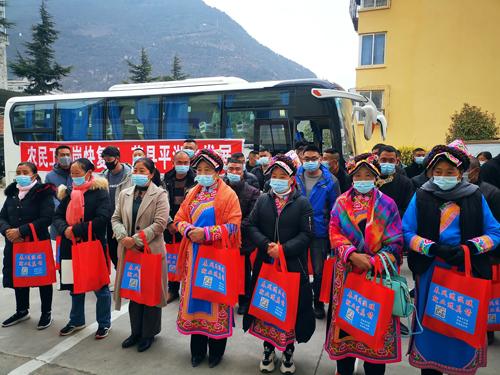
(70, 329)
(267, 363)
(18, 317)
(287, 364)
(45, 321)
(102, 332)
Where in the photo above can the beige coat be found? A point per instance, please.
(152, 219)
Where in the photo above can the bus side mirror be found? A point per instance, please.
(372, 118)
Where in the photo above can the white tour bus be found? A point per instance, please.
(273, 114)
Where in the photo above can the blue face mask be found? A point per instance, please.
(205, 180)
(23, 180)
(311, 166)
(189, 152)
(78, 181)
(325, 164)
(263, 161)
(140, 180)
(364, 186)
(182, 169)
(419, 160)
(135, 159)
(278, 185)
(387, 168)
(233, 178)
(445, 182)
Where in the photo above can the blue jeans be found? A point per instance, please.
(103, 308)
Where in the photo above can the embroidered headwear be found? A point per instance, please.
(367, 160)
(283, 162)
(450, 154)
(210, 157)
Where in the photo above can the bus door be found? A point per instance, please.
(316, 130)
(273, 135)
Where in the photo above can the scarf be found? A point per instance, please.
(76, 206)
(24, 190)
(383, 224)
(462, 190)
(225, 203)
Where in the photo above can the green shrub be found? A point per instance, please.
(472, 123)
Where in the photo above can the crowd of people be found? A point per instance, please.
(308, 204)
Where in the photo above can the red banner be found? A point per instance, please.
(160, 151)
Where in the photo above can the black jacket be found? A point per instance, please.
(400, 189)
(414, 169)
(97, 210)
(492, 196)
(345, 181)
(419, 180)
(261, 177)
(37, 208)
(247, 195)
(251, 180)
(490, 172)
(293, 228)
(169, 182)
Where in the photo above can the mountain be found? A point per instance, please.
(96, 36)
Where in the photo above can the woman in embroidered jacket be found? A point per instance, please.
(209, 208)
(364, 222)
(445, 213)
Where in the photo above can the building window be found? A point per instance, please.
(377, 97)
(370, 4)
(372, 49)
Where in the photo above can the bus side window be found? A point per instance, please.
(33, 122)
(79, 120)
(133, 118)
(196, 116)
(240, 124)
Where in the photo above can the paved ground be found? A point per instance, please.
(25, 350)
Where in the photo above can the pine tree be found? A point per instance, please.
(177, 74)
(141, 73)
(39, 66)
(176, 71)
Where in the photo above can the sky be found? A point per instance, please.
(317, 34)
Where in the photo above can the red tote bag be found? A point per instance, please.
(276, 295)
(215, 276)
(327, 281)
(365, 310)
(90, 270)
(142, 276)
(173, 260)
(241, 275)
(33, 262)
(58, 253)
(494, 305)
(310, 268)
(457, 304)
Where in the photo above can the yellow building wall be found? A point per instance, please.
(439, 54)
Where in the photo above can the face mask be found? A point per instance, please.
(325, 164)
(64, 161)
(311, 166)
(445, 182)
(233, 178)
(387, 168)
(244, 167)
(364, 186)
(263, 161)
(224, 167)
(278, 185)
(189, 152)
(205, 180)
(135, 159)
(111, 165)
(419, 160)
(182, 169)
(482, 163)
(23, 180)
(78, 181)
(140, 180)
